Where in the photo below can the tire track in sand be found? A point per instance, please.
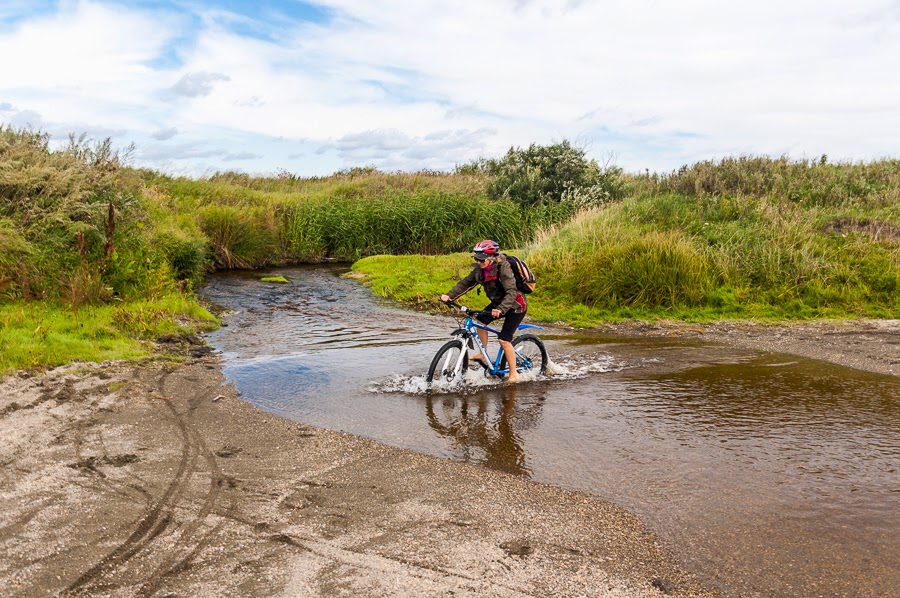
(162, 516)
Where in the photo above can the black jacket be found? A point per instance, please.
(500, 287)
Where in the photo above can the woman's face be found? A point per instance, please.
(483, 263)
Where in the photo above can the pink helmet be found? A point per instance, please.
(486, 249)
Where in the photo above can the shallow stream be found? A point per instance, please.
(765, 474)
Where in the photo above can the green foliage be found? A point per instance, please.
(280, 279)
(57, 188)
(254, 222)
(734, 257)
(558, 173)
(45, 334)
(427, 223)
(70, 221)
(173, 231)
(602, 260)
(241, 237)
(809, 183)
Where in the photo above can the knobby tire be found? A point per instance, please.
(530, 346)
(442, 368)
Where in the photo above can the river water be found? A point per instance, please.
(765, 474)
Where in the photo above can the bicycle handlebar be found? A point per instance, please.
(464, 309)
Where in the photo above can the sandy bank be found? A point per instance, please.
(123, 480)
(869, 345)
(155, 479)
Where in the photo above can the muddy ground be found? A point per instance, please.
(156, 479)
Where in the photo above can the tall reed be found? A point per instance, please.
(253, 222)
(808, 183)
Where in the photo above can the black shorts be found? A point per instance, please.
(511, 321)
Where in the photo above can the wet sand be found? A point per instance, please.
(869, 345)
(156, 479)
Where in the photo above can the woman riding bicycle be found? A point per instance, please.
(495, 275)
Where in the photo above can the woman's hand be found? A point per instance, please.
(445, 298)
(495, 313)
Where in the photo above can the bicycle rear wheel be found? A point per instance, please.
(530, 354)
(447, 367)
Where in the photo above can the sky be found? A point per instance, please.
(310, 88)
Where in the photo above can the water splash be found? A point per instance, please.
(572, 368)
(475, 379)
(472, 381)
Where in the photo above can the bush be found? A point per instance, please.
(72, 211)
(558, 173)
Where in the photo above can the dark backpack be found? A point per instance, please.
(525, 280)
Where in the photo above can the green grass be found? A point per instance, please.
(273, 279)
(43, 334)
(734, 257)
(671, 256)
(257, 223)
(418, 281)
(96, 256)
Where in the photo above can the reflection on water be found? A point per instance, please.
(766, 474)
(485, 429)
(827, 433)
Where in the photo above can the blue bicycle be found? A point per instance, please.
(452, 360)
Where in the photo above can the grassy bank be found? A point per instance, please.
(39, 334)
(85, 238)
(257, 222)
(744, 238)
(90, 265)
(711, 258)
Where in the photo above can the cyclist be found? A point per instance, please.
(495, 275)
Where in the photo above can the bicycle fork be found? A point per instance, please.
(474, 342)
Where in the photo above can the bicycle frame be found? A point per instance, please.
(468, 331)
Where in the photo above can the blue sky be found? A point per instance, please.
(313, 87)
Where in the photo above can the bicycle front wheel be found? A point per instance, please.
(449, 364)
(530, 354)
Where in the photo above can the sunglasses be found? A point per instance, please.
(479, 261)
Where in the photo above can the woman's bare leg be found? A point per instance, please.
(511, 361)
(477, 356)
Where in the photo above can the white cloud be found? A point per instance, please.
(241, 156)
(434, 83)
(164, 134)
(180, 151)
(198, 85)
(392, 149)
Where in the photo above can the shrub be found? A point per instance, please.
(240, 237)
(73, 211)
(600, 261)
(557, 173)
